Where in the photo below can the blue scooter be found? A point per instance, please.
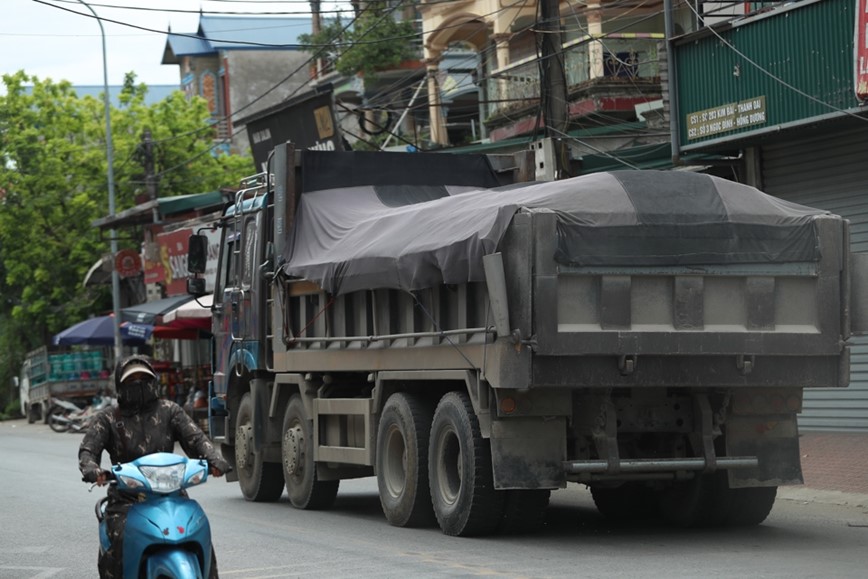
(167, 534)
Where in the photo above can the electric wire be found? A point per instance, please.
(772, 76)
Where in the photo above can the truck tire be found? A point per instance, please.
(750, 506)
(30, 413)
(691, 503)
(299, 470)
(629, 501)
(524, 511)
(260, 481)
(459, 471)
(402, 461)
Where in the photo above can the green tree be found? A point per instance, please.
(53, 186)
(374, 43)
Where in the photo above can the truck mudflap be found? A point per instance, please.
(527, 453)
(763, 424)
(859, 293)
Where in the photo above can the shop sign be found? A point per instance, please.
(860, 50)
(728, 117)
(128, 263)
(169, 264)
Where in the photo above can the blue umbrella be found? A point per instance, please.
(100, 331)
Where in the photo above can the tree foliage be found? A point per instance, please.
(53, 186)
(375, 42)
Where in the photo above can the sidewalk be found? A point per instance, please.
(835, 468)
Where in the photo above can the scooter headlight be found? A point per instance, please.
(164, 479)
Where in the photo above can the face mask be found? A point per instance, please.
(134, 394)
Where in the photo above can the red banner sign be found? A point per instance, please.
(168, 265)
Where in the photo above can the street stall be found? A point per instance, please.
(191, 323)
(182, 329)
(78, 364)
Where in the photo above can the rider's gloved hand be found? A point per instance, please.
(96, 476)
(218, 467)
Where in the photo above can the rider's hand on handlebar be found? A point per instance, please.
(98, 477)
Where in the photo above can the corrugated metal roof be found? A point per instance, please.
(237, 33)
(225, 32)
(187, 46)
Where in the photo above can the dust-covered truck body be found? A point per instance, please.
(475, 343)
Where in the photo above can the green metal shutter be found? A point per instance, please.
(829, 171)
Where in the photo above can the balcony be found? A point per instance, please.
(613, 62)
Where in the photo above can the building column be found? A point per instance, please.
(439, 135)
(595, 47)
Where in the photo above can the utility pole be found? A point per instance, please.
(150, 175)
(148, 161)
(553, 81)
(316, 28)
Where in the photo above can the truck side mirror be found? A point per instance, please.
(196, 286)
(197, 253)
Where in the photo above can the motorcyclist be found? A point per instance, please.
(140, 424)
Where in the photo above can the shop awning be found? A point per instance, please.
(167, 206)
(100, 273)
(195, 313)
(148, 312)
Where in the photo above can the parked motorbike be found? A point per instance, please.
(167, 533)
(65, 415)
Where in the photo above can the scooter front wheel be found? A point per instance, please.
(174, 564)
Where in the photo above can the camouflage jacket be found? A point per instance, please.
(155, 429)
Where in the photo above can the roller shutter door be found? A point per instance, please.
(829, 171)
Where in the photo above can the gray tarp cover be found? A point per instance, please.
(354, 238)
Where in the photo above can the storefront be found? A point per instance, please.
(779, 94)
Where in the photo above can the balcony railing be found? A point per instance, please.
(611, 59)
(710, 12)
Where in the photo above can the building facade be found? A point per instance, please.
(240, 65)
(775, 89)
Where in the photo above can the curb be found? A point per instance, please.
(809, 495)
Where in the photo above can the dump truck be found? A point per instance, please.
(49, 374)
(476, 339)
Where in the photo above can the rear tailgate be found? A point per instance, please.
(740, 324)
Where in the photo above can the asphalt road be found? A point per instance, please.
(47, 529)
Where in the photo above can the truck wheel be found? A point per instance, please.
(524, 511)
(402, 461)
(703, 501)
(55, 420)
(750, 506)
(299, 469)
(630, 501)
(30, 413)
(260, 481)
(459, 471)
